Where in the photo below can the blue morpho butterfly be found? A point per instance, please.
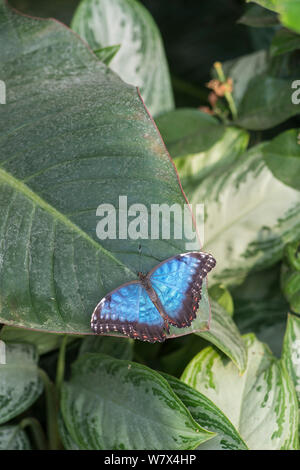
(169, 294)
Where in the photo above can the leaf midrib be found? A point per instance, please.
(22, 188)
(201, 430)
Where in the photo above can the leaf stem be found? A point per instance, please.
(60, 369)
(37, 432)
(228, 95)
(52, 407)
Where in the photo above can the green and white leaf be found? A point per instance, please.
(20, 383)
(261, 403)
(224, 334)
(115, 404)
(250, 217)
(66, 439)
(291, 350)
(141, 60)
(290, 276)
(209, 416)
(13, 438)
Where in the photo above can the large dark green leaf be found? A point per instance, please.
(20, 384)
(141, 60)
(209, 416)
(73, 136)
(116, 404)
(261, 403)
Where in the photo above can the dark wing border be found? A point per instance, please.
(135, 330)
(190, 305)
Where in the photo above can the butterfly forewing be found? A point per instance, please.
(129, 310)
(178, 283)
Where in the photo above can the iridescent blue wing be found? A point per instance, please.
(129, 310)
(177, 282)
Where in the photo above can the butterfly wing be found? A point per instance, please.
(177, 282)
(129, 310)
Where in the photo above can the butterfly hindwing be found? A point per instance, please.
(178, 283)
(129, 310)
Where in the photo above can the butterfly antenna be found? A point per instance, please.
(140, 260)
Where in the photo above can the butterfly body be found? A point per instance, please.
(169, 294)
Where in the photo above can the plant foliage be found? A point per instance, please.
(76, 133)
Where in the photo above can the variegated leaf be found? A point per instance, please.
(110, 403)
(209, 416)
(12, 437)
(224, 334)
(20, 384)
(261, 403)
(291, 351)
(250, 217)
(141, 59)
